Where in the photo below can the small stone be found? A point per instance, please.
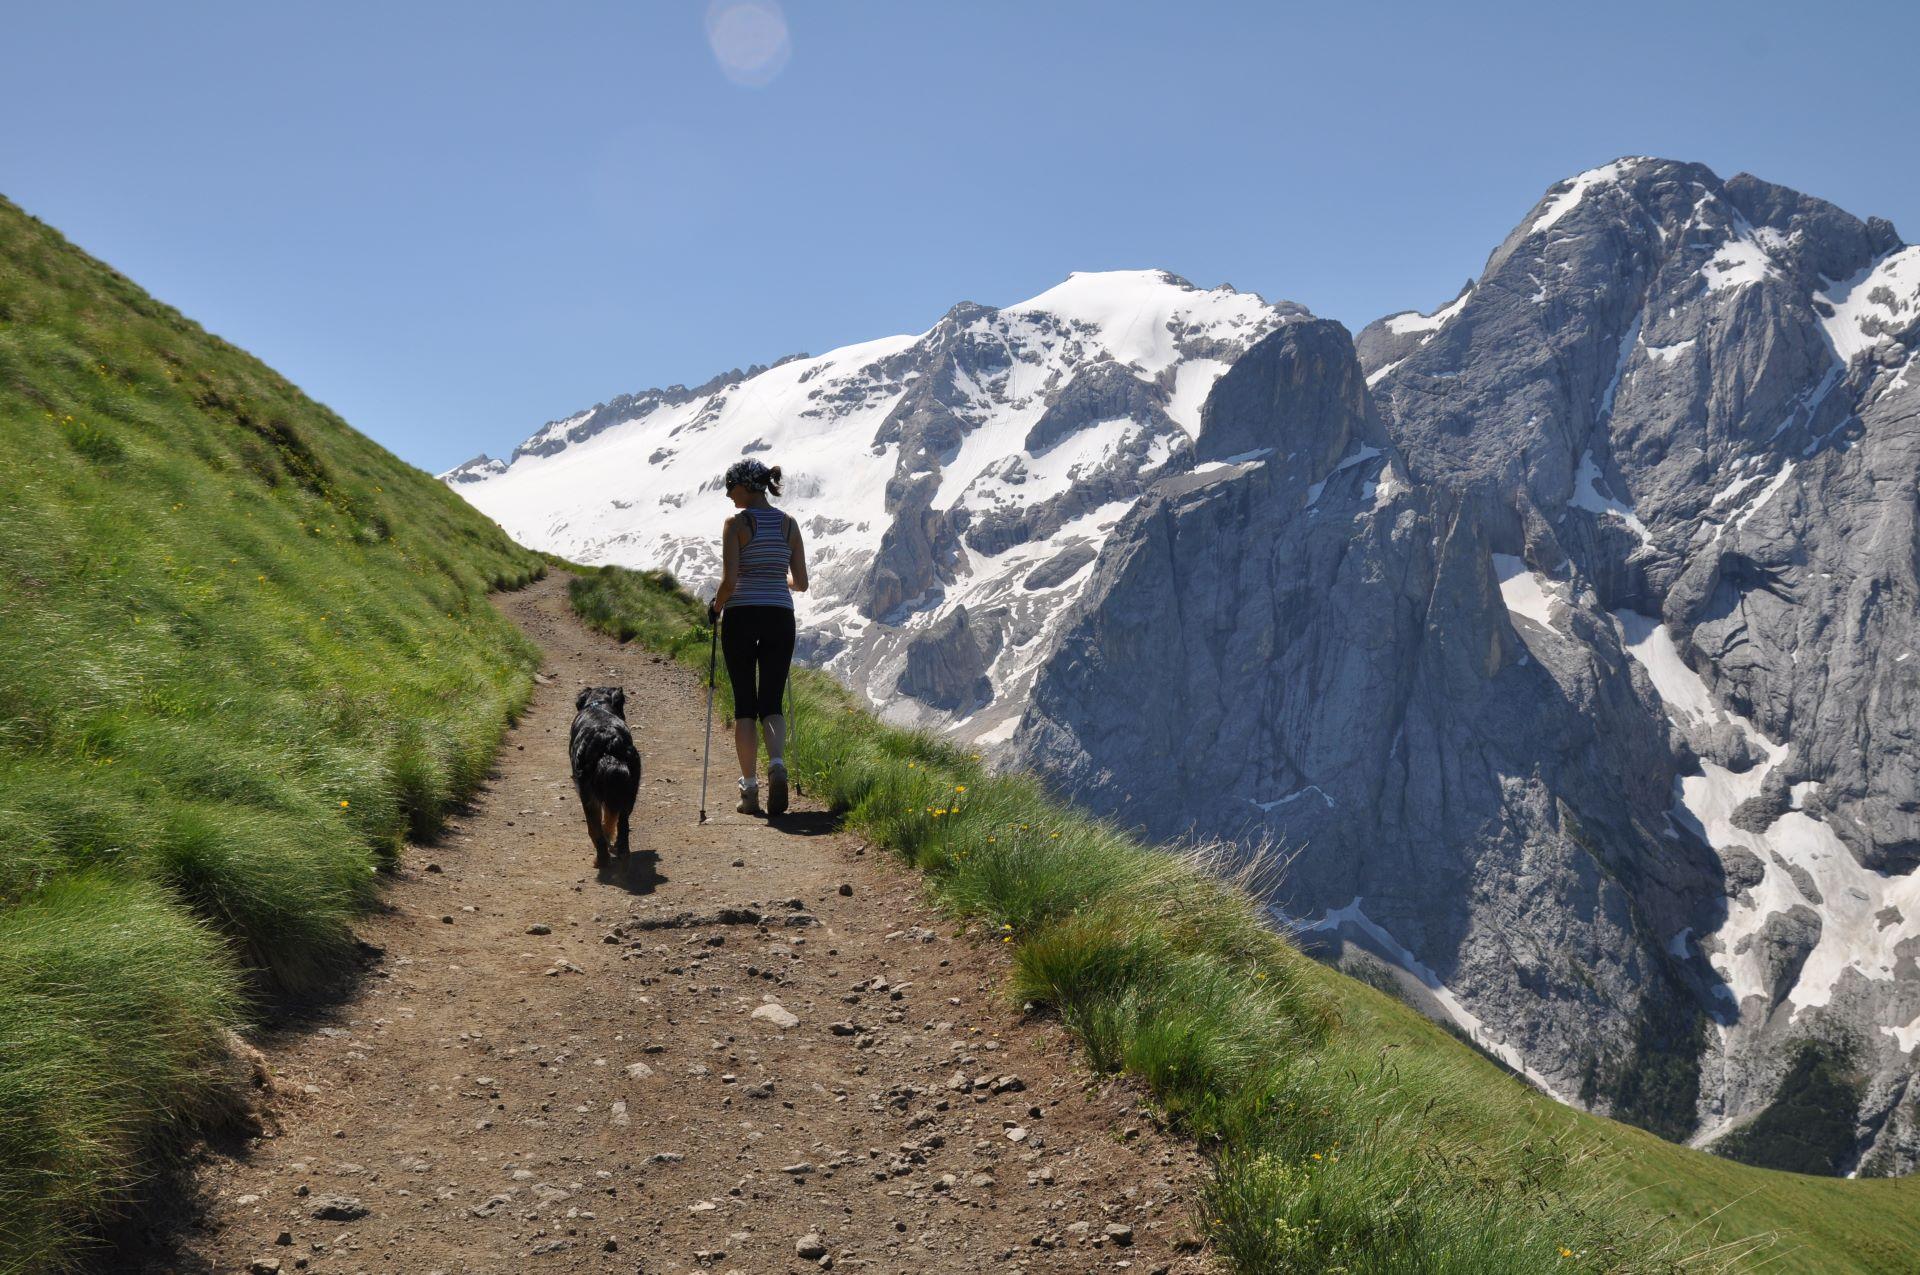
(776, 1014)
(611, 1246)
(338, 1208)
(490, 1206)
(981, 1179)
(539, 929)
(638, 1071)
(1016, 1134)
(433, 867)
(762, 1090)
(1120, 1233)
(805, 1166)
(446, 920)
(846, 890)
(284, 1239)
(739, 863)
(810, 1246)
(843, 1029)
(264, 1266)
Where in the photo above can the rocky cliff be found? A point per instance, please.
(1566, 634)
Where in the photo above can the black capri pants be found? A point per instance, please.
(758, 643)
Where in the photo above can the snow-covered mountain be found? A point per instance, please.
(954, 485)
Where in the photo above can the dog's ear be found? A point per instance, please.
(620, 700)
(580, 700)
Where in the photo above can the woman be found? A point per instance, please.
(763, 566)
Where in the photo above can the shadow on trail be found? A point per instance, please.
(806, 823)
(638, 873)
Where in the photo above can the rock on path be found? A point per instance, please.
(750, 1048)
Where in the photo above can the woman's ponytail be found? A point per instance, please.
(773, 480)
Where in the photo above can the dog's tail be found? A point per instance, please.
(614, 773)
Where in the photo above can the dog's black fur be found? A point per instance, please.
(606, 768)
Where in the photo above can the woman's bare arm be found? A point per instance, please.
(729, 565)
(799, 564)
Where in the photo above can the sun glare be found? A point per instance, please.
(749, 39)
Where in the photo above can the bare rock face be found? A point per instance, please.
(945, 666)
(1291, 637)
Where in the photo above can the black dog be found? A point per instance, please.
(606, 768)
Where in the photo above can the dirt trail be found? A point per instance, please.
(550, 1069)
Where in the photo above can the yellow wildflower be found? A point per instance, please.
(343, 805)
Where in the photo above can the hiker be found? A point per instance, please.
(764, 565)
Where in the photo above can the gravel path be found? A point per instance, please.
(752, 1048)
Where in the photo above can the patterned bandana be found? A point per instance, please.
(746, 473)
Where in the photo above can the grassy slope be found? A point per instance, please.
(245, 652)
(1274, 1061)
(1822, 1224)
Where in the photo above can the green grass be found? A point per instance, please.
(246, 653)
(1818, 1225)
(1347, 1133)
(649, 607)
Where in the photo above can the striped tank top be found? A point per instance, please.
(764, 562)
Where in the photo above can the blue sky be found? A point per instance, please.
(455, 222)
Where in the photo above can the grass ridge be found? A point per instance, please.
(246, 653)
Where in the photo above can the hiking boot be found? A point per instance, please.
(776, 789)
(749, 798)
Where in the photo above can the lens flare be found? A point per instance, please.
(749, 39)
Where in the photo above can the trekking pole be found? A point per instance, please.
(786, 711)
(713, 651)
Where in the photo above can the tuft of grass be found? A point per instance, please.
(245, 653)
(1166, 966)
